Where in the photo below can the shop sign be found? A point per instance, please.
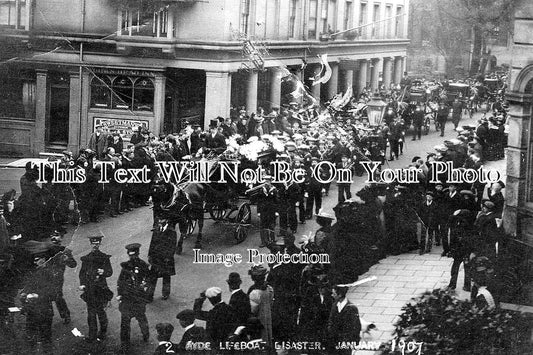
(125, 128)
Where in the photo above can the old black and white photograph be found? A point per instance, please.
(277, 177)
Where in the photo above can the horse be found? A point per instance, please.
(184, 203)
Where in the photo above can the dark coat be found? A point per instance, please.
(98, 143)
(498, 201)
(240, 302)
(196, 142)
(452, 204)
(96, 290)
(344, 326)
(220, 321)
(40, 282)
(442, 114)
(195, 334)
(429, 214)
(216, 143)
(133, 284)
(161, 252)
(267, 200)
(314, 316)
(119, 146)
(488, 230)
(62, 258)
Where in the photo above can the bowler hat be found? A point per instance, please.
(234, 277)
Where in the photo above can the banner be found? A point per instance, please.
(125, 127)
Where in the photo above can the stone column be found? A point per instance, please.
(275, 87)
(374, 79)
(159, 104)
(404, 65)
(387, 72)
(363, 69)
(251, 92)
(333, 83)
(348, 78)
(398, 73)
(74, 117)
(516, 190)
(85, 126)
(217, 95)
(315, 89)
(42, 90)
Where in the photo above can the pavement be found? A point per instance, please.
(399, 278)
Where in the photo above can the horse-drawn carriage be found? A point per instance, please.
(186, 203)
(457, 90)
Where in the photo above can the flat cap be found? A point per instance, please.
(259, 270)
(501, 183)
(186, 314)
(164, 329)
(488, 204)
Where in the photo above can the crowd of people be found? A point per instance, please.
(379, 220)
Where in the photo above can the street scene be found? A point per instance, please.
(346, 180)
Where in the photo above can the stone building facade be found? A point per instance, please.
(518, 215)
(68, 65)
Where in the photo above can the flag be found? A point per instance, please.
(327, 74)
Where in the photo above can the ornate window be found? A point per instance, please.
(122, 93)
(122, 90)
(101, 92)
(143, 95)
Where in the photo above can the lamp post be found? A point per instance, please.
(376, 109)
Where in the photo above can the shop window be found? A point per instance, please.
(143, 95)
(122, 93)
(17, 97)
(101, 92)
(13, 13)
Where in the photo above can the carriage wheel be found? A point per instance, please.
(191, 225)
(241, 233)
(217, 212)
(244, 215)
